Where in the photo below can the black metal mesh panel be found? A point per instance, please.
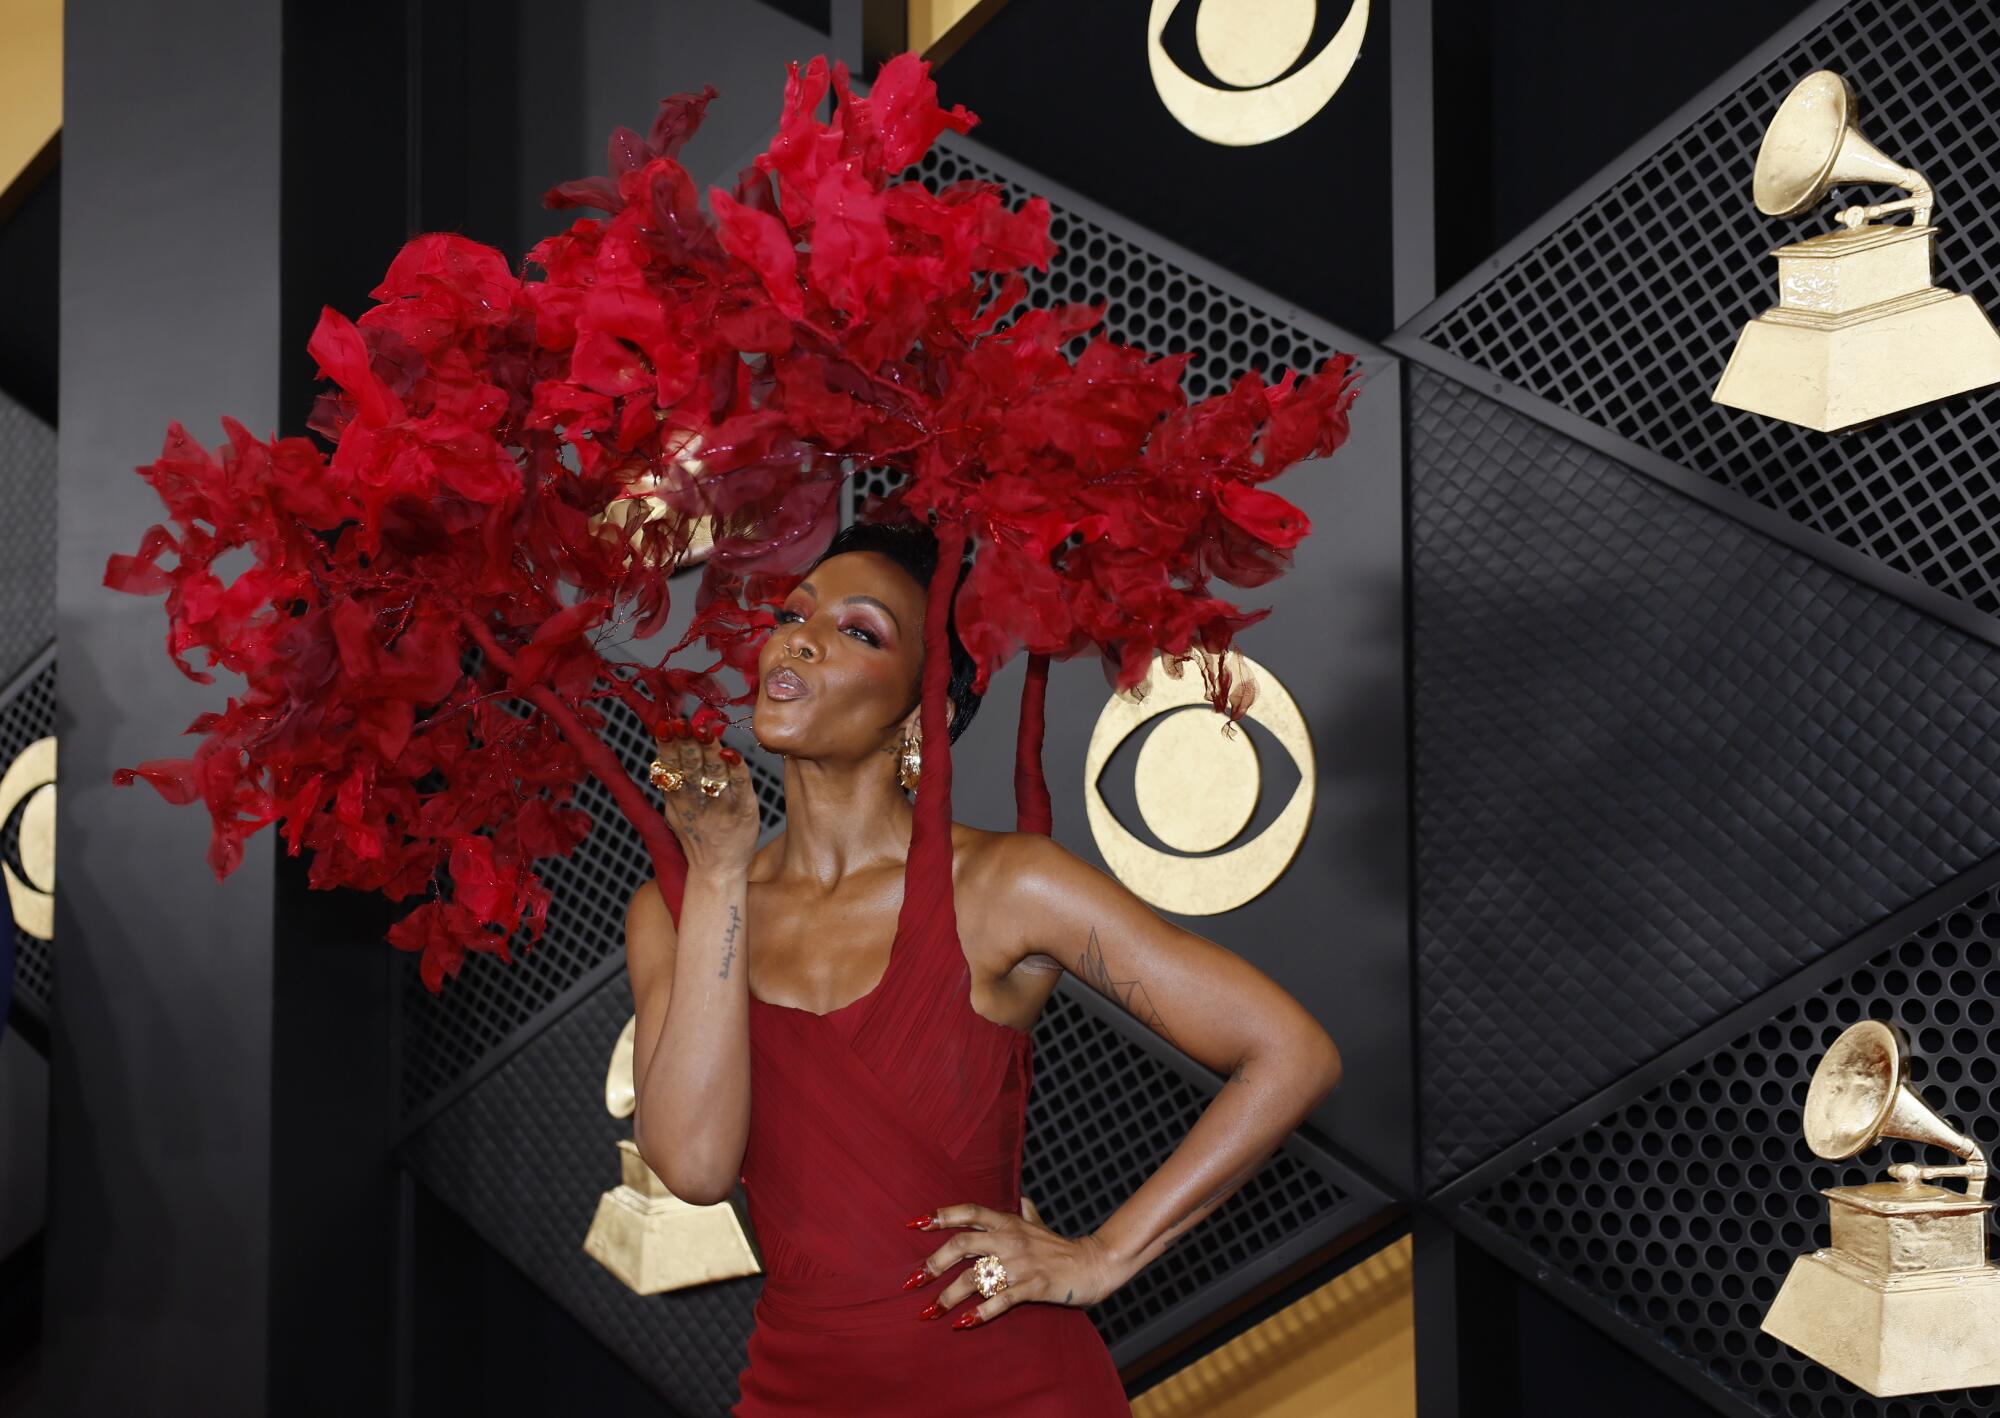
(1682, 1211)
(1626, 312)
(27, 537)
(873, 483)
(1149, 301)
(446, 1034)
(526, 1152)
(1103, 1116)
(1661, 761)
(29, 715)
(524, 1157)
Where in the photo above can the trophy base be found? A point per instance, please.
(653, 1241)
(1834, 373)
(1915, 1332)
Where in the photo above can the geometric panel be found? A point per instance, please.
(1681, 1212)
(1149, 300)
(27, 537)
(1624, 312)
(29, 715)
(1661, 762)
(524, 1153)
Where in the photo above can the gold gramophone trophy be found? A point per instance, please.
(1904, 1300)
(643, 502)
(1859, 332)
(644, 1234)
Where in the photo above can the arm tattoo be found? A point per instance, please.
(1093, 971)
(729, 942)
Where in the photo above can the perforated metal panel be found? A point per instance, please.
(28, 715)
(1681, 1212)
(1625, 313)
(27, 537)
(524, 1157)
(1149, 300)
(1661, 762)
(525, 1153)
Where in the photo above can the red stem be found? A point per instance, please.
(1033, 812)
(928, 872)
(669, 865)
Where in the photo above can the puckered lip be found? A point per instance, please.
(781, 683)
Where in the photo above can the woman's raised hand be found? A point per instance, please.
(709, 802)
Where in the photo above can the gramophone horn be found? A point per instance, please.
(1813, 144)
(1861, 1094)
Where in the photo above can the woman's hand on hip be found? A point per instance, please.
(717, 828)
(1041, 1265)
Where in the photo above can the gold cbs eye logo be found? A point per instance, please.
(1251, 44)
(28, 793)
(1197, 789)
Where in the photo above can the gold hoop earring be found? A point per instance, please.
(910, 762)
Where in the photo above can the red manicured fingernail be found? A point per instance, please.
(730, 755)
(919, 1276)
(919, 1223)
(680, 727)
(968, 1320)
(931, 1311)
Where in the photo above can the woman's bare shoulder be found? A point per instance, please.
(998, 861)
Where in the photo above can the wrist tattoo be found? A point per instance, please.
(729, 941)
(1093, 970)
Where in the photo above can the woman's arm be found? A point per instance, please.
(691, 1046)
(1208, 1002)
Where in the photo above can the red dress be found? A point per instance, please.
(903, 1100)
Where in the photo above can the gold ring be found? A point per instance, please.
(669, 779)
(989, 1275)
(712, 787)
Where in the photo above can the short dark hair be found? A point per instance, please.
(914, 547)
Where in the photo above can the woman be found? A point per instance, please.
(841, 1021)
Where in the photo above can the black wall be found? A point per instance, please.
(1596, 562)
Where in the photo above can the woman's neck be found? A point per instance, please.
(842, 816)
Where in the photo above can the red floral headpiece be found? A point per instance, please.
(493, 433)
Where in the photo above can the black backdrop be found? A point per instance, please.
(1709, 701)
